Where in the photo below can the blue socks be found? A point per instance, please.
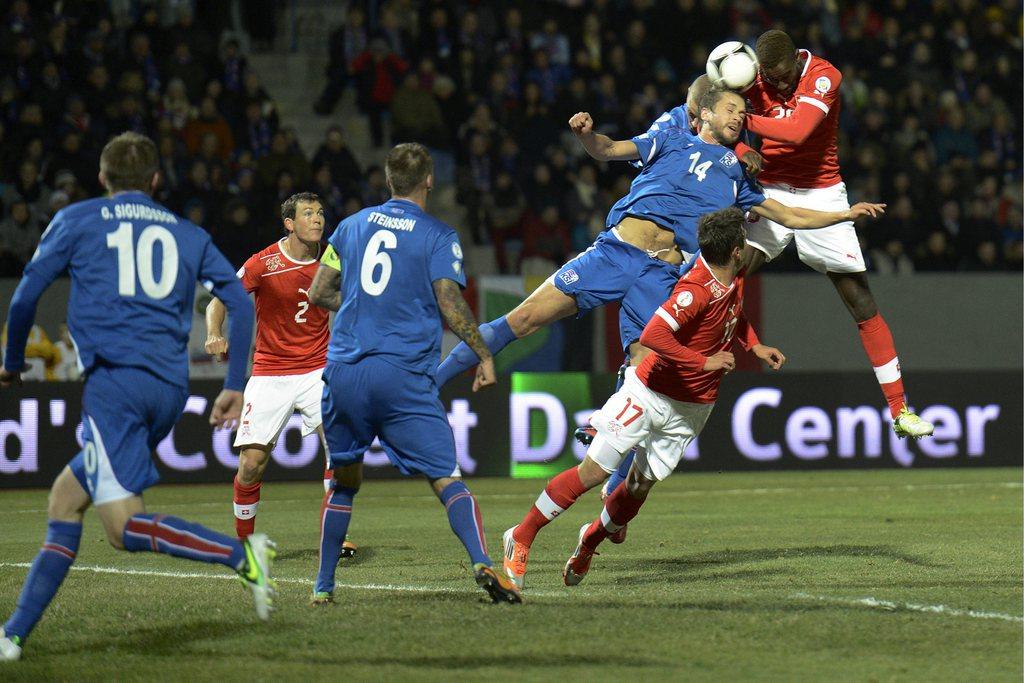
(619, 475)
(467, 523)
(496, 334)
(173, 536)
(45, 577)
(334, 519)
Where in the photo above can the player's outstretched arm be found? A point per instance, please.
(808, 219)
(462, 322)
(216, 345)
(601, 147)
(325, 291)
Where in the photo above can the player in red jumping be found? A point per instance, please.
(290, 353)
(665, 401)
(796, 99)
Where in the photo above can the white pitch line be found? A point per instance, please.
(873, 603)
(230, 577)
(890, 606)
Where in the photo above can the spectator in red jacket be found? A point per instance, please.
(377, 70)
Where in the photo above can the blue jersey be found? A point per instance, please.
(134, 267)
(390, 256)
(682, 179)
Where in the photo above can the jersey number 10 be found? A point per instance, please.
(140, 263)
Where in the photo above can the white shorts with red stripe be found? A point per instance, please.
(659, 427)
(834, 249)
(269, 402)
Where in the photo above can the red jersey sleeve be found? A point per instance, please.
(250, 273)
(793, 130)
(816, 94)
(687, 303)
(819, 87)
(746, 334)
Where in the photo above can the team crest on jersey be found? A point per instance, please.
(682, 301)
(569, 276)
(728, 160)
(822, 85)
(273, 263)
(716, 290)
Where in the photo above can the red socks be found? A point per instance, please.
(877, 341)
(246, 500)
(560, 493)
(619, 509)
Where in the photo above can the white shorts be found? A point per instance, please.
(834, 249)
(270, 401)
(659, 427)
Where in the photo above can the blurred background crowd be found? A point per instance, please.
(931, 113)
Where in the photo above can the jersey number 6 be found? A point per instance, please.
(376, 256)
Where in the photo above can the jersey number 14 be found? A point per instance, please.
(139, 264)
(700, 170)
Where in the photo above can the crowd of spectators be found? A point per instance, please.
(930, 121)
(75, 73)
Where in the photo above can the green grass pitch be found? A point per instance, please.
(852, 576)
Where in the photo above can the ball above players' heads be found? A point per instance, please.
(732, 65)
(721, 236)
(722, 112)
(409, 171)
(778, 60)
(129, 162)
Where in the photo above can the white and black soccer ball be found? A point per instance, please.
(732, 65)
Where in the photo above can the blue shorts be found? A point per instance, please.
(126, 412)
(607, 271)
(374, 398)
(643, 299)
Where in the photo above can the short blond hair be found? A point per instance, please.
(129, 162)
(407, 167)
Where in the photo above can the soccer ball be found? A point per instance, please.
(732, 65)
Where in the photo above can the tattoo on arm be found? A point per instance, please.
(325, 291)
(458, 316)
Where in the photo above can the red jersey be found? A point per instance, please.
(291, 333)
(814, 162)
(699, 320)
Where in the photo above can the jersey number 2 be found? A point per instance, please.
(375, 281)
(139, 263)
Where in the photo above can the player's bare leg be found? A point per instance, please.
(545, 305)
(335, 515)
(252, 462)
(881, 351)
(467, 522)
(560, 493)
(619, 508)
